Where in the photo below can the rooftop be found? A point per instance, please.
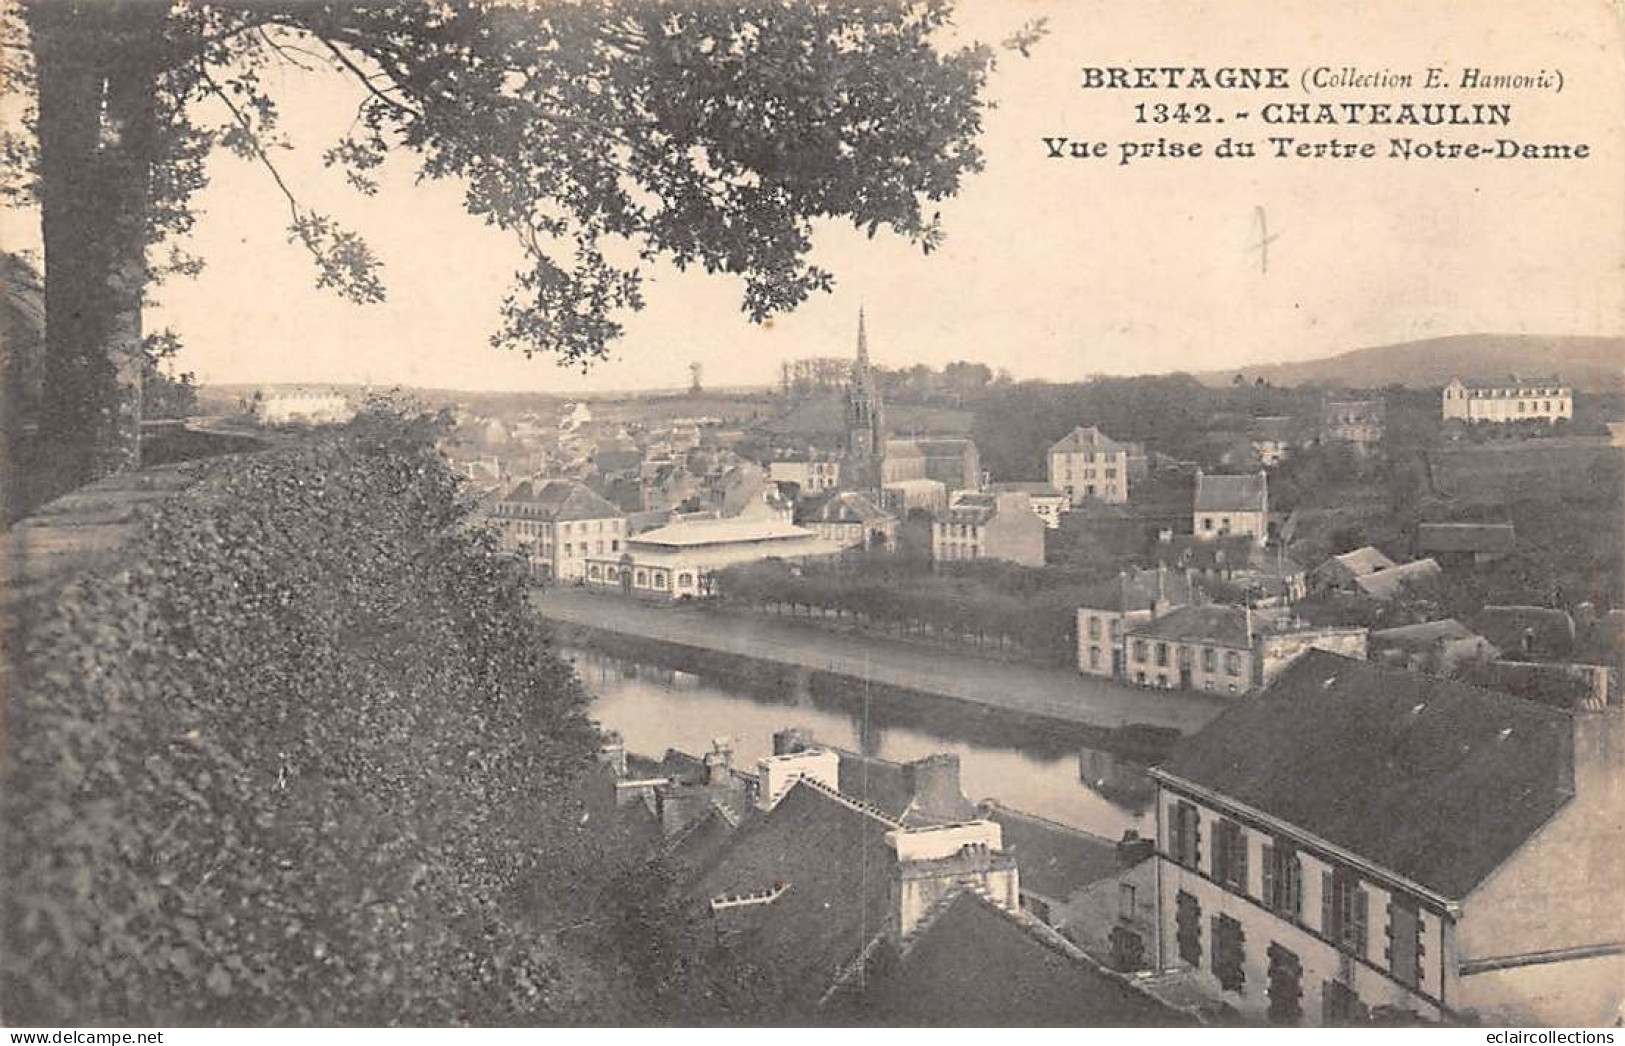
(1036, 489)
(1465, 537)
(694, 532)
(1249, 493)
(1424, 634)
(850, 507)
(1056, 861)
(1220, 625)
(1364, 560)
(1138, 590)
(1542, 630)
(1089, 440)
(1389, 582)
(1433, 780)
(974, 964)
(561, 500)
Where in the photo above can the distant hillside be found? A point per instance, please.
(1590, 364)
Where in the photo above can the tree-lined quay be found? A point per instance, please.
(1053, 693)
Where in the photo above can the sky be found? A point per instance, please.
(1053, 269)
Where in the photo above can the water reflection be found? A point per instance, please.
(1038, 767)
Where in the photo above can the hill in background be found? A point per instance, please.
(1590, 364)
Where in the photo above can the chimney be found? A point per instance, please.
(791, 740)
(934, 782)
(719, 761)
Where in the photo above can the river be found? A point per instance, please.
(1032, 766)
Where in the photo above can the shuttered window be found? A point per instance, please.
(1229, 953)
(1344, 907)
(1230, 855)
(1283, 879)
(1188, 927)
(1186, 835)
(1404, 941)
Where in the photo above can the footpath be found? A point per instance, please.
(1030, 689)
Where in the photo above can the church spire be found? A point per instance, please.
(863, 341)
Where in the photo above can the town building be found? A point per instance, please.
(1264, 576)
(1106, 612)
(1226, 505)
(812, 475)
(902, 496)
(676, 561)
(989, 526)
(1461, 545)
(1475, 400)
(1047, 502)
(1086, 463)
(952, 461)
(1407, 848)
(1272, 439)
(1434, 647)
(851, 520)
(1356, 424)
(301, 407)
(557, 525)
(1226, 649)
(1391, 582)
(1338, 573)
(864, 423)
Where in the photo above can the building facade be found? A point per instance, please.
(989, 526)
(1086, 463)
(852, 520)
(1475, 400)
(811, 475)
(557, 525)
(1225, 649)
(1047, 502)
(1402, 849)
(1106, 613)
(1358, 424)
(677, 561)
(1227, 505)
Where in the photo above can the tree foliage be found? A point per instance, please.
(305, 757)
(602, 135)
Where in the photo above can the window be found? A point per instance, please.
(1232, 663)
(1283, 879)
(642, 579)
(594, 572)
(1207, 522)
(1230, 855)
(1228, 953)
(1188, 927)
(1185, 834)
(1094, 657)
(1404, 940)
(1094, 627)
(1139, 650)
(1125, 900)
(1285, 988)
(1343, 904)
(660, 581)
(1116, 628)
(1210, 659)
(1162, 655)
(685, 580)
(614, 546)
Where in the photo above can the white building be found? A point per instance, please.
(302, 406)
(1047, 502)
(1474, 400)
(556, 524)
(813, 476)
(1227, 505)
(1086, 463)
(1359, 839)
(677, 561)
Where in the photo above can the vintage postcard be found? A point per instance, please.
(875, 513)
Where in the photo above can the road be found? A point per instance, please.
(1051, 692)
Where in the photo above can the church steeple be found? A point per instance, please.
(863, 343)
(865, 424)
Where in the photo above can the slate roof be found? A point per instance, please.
(1550, 632)
(562, 500)
(890, 787)
(1514, 382)
(1424, 634)
(929, 448)
(1364, 560)
(1220, 625)
(693, 532)
(1034, 488)
(973, 508)
(1137, 590)
(974, 964)
(1248, 493)
(1431, 779)
(1054, 860)
(1226, 552)
(1387, 583)
(1087, 441)
(837, 865)
(850, 507)
(1465, 537)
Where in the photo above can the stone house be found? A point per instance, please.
(1456, 545)
(1434, 647)
(557, 524)
(1497, 401)
(1047, 502)
(1226, 505)
(1412, 849)
(989, 526)
(1087, 463)
(1226, 649)
(1107, 611)
(851, 520)
(1338, 573)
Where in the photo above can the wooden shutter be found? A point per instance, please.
(1238, 842)
(1294, 877)
(1221, 847)
(1328, 909)
(1268, 871)
(1359, 909)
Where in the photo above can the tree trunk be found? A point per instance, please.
(97, 78)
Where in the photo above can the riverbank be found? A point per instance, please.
(714, 641)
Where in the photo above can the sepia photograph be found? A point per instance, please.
(811, 514)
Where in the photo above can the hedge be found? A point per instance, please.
(303, 757)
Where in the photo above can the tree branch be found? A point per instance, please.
(366, 81)
(253, 140)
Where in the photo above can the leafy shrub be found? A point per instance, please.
(304, 757)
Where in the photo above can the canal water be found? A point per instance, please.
(1041, 768)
